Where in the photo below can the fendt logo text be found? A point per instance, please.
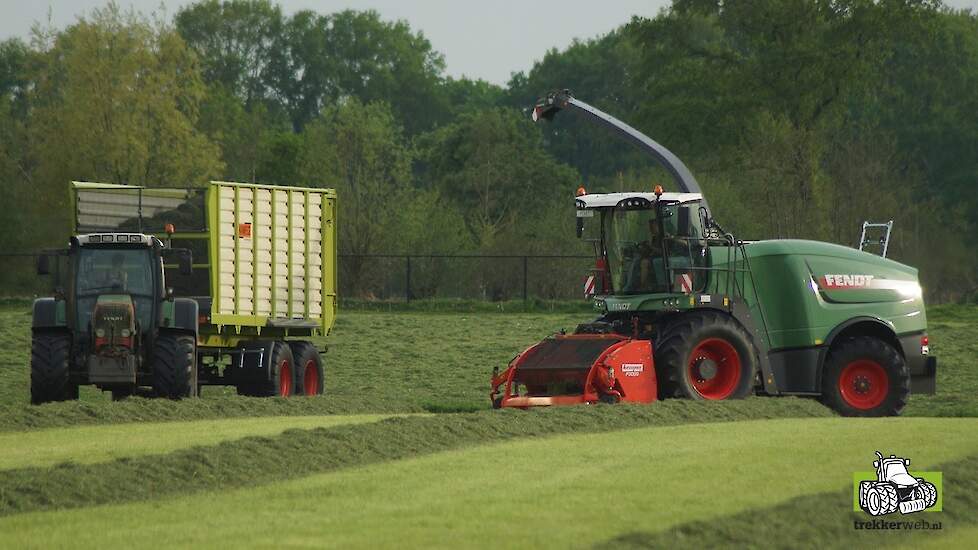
(847, 281)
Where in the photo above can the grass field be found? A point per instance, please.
(335, 471)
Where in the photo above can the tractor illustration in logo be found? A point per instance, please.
(895, 489)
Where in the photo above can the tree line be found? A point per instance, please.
(800, 118)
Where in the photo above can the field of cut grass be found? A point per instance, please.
(415, 362)
(567, 491)
(336, 471)
(92, 444)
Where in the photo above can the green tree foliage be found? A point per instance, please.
(484, 162)
(804, 118)
(601, 72)
(321, 59)
(234, 40)
(115, 98)
(800, 118)
(360, 151)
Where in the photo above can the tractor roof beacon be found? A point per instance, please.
(688, 310)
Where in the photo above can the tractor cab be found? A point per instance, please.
(116, 282)
(644, 243)
(894, 470)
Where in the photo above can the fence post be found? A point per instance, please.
(407, 280)
(524, 279)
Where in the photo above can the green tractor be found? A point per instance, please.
(688, 310)
(115, 324)
(132, 314)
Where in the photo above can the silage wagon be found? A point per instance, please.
(163, 290)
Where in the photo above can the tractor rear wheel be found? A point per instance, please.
(865, 376)
(50, 380)
(309, 372)
(175, 366)
(705, 355)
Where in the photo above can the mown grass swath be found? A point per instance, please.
(296, 453)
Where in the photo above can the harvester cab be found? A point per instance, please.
(697, 313)
(645, 243)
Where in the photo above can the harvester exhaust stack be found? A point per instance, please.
(578, 368)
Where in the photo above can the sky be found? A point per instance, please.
(479, 39)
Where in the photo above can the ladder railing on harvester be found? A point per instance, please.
(884, 239)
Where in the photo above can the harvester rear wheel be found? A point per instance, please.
(865, 376)
(310, 374)
(705, 355)
(49, 368)
(175, 366)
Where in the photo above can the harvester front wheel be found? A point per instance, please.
(865, 376)
(310, 375)
(705, 355)
(49, 368)
(175, 366)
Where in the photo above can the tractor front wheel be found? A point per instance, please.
(881, 499)
(175, 366)
(865, 376)
(50, 380)
(705, 355)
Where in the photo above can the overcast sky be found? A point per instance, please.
(479, 39)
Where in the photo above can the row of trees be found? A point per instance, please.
(800, 119)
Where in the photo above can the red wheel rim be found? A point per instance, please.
(727, 361)
(310, 378)
(864, 384)
(285, 378)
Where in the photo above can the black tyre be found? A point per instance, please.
(881, 500)
(865, 376)
(705, 355)
(118, 394)
(309, 371)
(927, 491)
(175, 366)
(50, 380)
(282, 379)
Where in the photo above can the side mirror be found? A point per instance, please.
(43, 265)
(186, 263)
